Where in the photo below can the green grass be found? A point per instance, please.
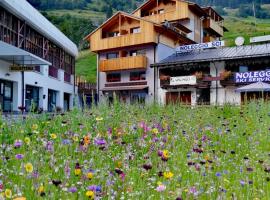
(211, 153)
(86, 66)
(96, 17)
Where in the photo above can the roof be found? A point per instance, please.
(254, 87)
(189, 2)
(116, 14)
(220, 54)
(18, 56)
(23, 10)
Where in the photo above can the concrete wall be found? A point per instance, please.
(41, 80)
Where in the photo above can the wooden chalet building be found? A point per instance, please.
(127, 44)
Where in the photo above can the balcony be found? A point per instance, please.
(211, 25)
(124, 63)
(146, 36)
(53, 72)
(161, 17)
(208, 39)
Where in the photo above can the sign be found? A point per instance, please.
(192, 47)
(183, 80)
(17, 68)
(251, 77)
(264, 38)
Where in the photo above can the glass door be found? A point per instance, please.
(52, 95)
(31, 98)
(6, 95)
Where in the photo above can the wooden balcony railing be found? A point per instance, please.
(161, 17)
(124, 63)
(208, 39)
(210, 24)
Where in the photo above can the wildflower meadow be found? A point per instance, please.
(138, 152)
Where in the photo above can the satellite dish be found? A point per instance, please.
(239, 41)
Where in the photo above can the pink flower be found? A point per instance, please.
(161, 188)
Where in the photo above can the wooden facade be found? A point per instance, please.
(20, 34)
(213, 26)
(124, 63)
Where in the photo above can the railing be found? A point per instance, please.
(208, 39)
(211, 24)
(84, 86)
(161, 17)
(124, 63)
(53, 72)
(67, 77)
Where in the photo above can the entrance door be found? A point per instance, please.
(178, 97)
(52, 95)
(31, 98)
(66, 101)
(6, 95)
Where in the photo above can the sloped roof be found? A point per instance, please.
(220, 54)
(23, 10)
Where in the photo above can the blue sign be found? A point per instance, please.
(251, 77)
(192, 47)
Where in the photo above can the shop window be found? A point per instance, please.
(133, 53)
(114, 77)
(243, 69)
(112, 55)
(137, 76)
(135, 30)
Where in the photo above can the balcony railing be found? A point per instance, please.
(161, 17)
(124, 63)
(53, 72)
(210, 24)
(67, 77)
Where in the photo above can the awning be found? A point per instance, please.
(255, 87)
(18, 56)
(124, 88)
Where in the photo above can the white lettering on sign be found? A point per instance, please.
(183, 80)
(192, 47)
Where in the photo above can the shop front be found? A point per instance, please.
(32, 98)
(52, 100)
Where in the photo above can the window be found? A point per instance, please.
(114, 77)
(161, 11)
(112, 55)
(135, 30)
(133, 53)
(137, 76)
(243, 69)
(113, 34)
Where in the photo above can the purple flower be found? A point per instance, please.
(73, 189)
(19, 156)
(242, 182)
(100, 141)
(49, 146)
(66, 142)
(218, 174)
(95, 188)
(18, 144)
(109, 131)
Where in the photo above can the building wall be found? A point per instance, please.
(41, 80)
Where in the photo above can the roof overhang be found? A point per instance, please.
(18, 56)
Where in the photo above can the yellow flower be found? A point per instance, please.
(41, 189)
(75, 138)
(99, 118)
(27, 140)
(168, 175)
(155, 130)
(165, 154)
(34, 126)
(90, 194)
(28, 167)
(53, 136)
(8, 193)
(119, 164)
(20, 198)
(77, 172)
(159, 183)
(89, 175)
